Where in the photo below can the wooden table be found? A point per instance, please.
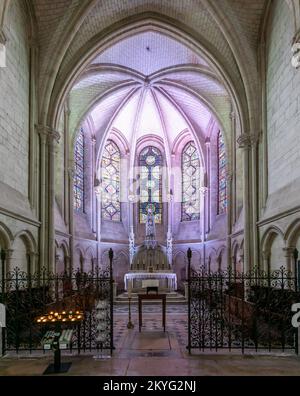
(152, 297)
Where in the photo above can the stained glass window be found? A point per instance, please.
(79, 172)
(222, 163)
(190, 207)
(150, 162)
(111, 208)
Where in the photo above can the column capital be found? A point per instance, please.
(48, 133)
(67, 109)
(289, 251)
(207, 141)
(232, 115)
(246, 141)
(9, 253)
(265, 255)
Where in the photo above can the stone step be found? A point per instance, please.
(172, 298)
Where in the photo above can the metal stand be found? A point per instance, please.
(57, 367)
(130, 325)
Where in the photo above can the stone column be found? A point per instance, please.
(244, 143)
(9, 254)
(266, 261)
(53, 138)
(203, 196)
(47, 198)
(208, 183)
(67, 113)
(229, 179)
(57, 257)
(289, 258)
(71, 210)
(254, 199)
(93, 195)
(232, 171)
(33, 138)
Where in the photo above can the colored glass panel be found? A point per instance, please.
(222, 184)
(190, 207)
(111, 208)
(150, 162)
(79, 172)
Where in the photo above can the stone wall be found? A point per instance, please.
(14, 105)
(283, 106)
(279, 221)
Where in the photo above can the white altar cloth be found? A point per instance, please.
(131, 276)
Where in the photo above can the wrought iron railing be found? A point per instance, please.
(28, 296)
(250, 310)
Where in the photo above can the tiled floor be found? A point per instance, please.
(153, 352)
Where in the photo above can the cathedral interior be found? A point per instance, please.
(149, 147)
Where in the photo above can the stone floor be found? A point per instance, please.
(155, 353)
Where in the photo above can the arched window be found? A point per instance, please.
(190, 207)
(150, 162)
(222, 187)
(79, 172)
(111, 208)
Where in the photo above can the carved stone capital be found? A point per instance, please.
(289, 251)
(207, 141)
(246, 141)
(48, 133)
(265, 255)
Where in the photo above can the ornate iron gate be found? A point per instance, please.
(29, 296)
(241, 311)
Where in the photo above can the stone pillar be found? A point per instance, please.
(57, 257)
(47, 198)
(266, 261)
(289, 258)
(71, 209)
(203, 197)
(244, 143)
(229, 179)
(93, 195)
(9, 254)
(67, 113)
(232, 171)
(67, 265)
(208, 184)
(53, 137)
(254, 199)
(33, 138)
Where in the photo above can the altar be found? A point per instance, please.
(135, 280)
(151, 263)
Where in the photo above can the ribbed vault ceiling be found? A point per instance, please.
(149, 84)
